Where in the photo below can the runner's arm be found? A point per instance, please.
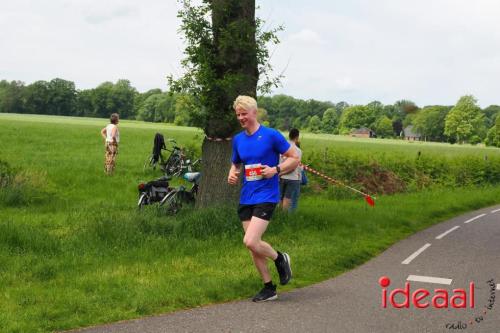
(288, 165)
(234, 174)
(103, 133)
(291, 162)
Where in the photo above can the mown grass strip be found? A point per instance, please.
(109, 266)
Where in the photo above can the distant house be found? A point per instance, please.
(363, 132)
(410, 135)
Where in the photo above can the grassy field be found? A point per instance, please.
(80, 254)
(310, 141)
(376, 147)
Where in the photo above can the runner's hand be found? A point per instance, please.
(267, 171)
(233, 177)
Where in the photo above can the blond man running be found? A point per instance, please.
(258, 148)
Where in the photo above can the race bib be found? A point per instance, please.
(253, 172)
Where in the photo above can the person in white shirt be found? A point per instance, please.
(111, 136)
(290, 182)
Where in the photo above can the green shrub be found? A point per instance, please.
(391, 173)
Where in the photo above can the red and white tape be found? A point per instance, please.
(368, 198)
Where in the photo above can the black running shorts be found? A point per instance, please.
(262, 211)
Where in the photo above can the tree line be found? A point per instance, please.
(60, 97)
(464, 122)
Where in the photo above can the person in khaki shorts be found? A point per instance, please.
(111, 136)
(258, 148)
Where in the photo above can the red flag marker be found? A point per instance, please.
(368, 198)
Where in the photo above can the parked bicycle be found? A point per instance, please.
(156, 158)
(159, 192)
(153, 192)
(177, 162)
(180, 195)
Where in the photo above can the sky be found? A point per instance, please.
(358, 51)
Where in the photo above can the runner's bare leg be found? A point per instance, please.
(260, 250)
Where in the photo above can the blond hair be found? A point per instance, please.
(245, 102)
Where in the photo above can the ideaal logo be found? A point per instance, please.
(422, 298)
(478, 318)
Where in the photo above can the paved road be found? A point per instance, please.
(462, 250)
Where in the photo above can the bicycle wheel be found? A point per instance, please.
(173, 166)
(150, 162)
(172, 202)
(177, 170)
(143, 199)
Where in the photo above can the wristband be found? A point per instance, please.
(278, 169)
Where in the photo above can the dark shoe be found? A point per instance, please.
(266, 294)
(284, 269)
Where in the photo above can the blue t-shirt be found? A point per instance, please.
(262, 147)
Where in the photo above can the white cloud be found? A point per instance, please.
(428, 51)
(96, 16)
(307, 36)
(431, 51)
(91, 41)
(344, 83)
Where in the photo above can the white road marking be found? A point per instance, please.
(429, 279)
(415, 254)
(496, 210)
(474, 218)
(447, 232)
(498, 286)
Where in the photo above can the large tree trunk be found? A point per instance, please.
(236, 73)
(214, 189)
(235, 67)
